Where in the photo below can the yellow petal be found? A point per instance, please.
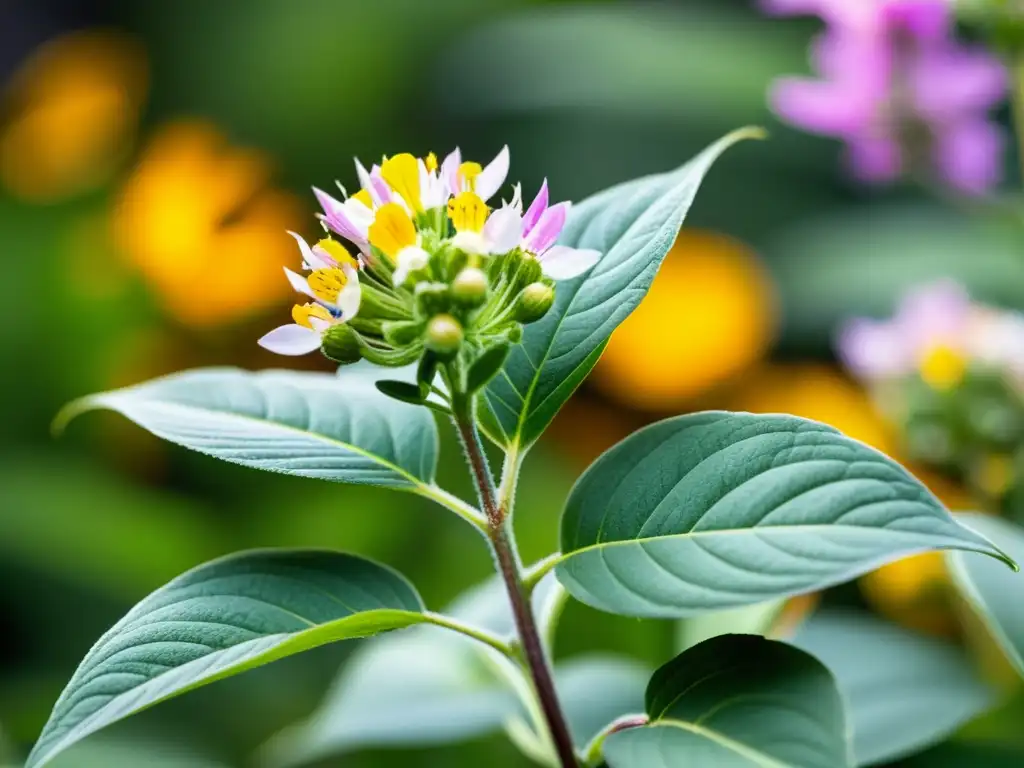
(302, 312)
(467, 212)
(468, 173)
(326, 284)
(392, 230)
(402, 174)
(363, 196)
(338, 252)
(431, 162)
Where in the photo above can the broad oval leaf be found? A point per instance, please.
(716, 510)
(318, 425)
(997, 595)
(738, 701)
(218, 620)
(633, 225)
(903, 691)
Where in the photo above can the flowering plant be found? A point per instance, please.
(491, 316)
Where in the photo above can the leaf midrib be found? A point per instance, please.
(102, 401)
(755, 756)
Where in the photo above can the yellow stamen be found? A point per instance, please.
(431, 162)
(326, 284)
(468, 173)
(302, 312)
(942, 368)
(402, 174)
(363, 196)
(467, 212)
(338, 252)
(392, 230)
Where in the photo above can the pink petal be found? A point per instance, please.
(536, 209)
(564, 263)
(310, 260)
(337, 218)
(871, 350)
(938, 312)
(924, 20)
(503, 230)
(875, 158)
(823, 107)
(948, 82)
(292, 339)
(969, 155)
(450, 171)
(490, 179)
(547, 230)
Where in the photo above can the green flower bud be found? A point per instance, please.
(469, 289)
(341, 344)
(432, 299)
(534, 302)
(529, 270)
(444, 335)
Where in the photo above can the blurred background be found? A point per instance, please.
(152, 156)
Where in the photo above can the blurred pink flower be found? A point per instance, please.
(892, 77)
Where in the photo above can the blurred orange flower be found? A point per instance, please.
(73, 111)
(709, 315)
(914, 591)
(200, 222)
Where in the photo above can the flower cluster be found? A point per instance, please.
(950, 372)
(899, 90)
(418, 260)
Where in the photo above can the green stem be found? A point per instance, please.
(452, 502)
(476, 633)
(593, 756)
(507, 559)
(534, 573)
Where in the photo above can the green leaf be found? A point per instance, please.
(486, 367)
(738, 701)
(995, 593)
(402, 391)
(903, 691)
(336, 428)
(221, 619)
(633, 225)
(717, 510)
(968, 756)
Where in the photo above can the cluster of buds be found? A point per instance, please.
(950, 373)
(417, 266)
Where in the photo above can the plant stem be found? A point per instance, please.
(507, 558)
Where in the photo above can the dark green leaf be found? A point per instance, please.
(335, 428)
(738, 701)
(402, 391)
(716, 510)
(221, 619)
(633, 225)
(486, 367)
(903, 691)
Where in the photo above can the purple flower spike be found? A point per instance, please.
(891, 69)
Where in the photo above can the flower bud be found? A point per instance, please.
(534, 302)
(341, 344)
(529, 270)
(444, 335)
(432, 299)
(402, 333)
(469, 289)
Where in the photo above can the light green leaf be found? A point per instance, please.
(996, 594)
(717, 510)
(336, 428)
(633, 225)
(756, 619)
(135, 753)
(903, 691)
(221, 619)
(738, 701)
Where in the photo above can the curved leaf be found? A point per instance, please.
(221, 619)
(995, 593)
(633, 225)
(903, 691)
(318, 425)
(738, 701)
(716, 510)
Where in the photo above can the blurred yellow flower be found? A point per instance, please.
(74, 109)
(200, 222)
(914, 591)
(709, 315)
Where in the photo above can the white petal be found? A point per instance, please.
(349, 296)
(309, 260)
(493, 176)
(299, 283)
(292, 339)
(470, 242)
(563, 263)
(319, 324)
(409, 260)
(503, 230)
(450, 172)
